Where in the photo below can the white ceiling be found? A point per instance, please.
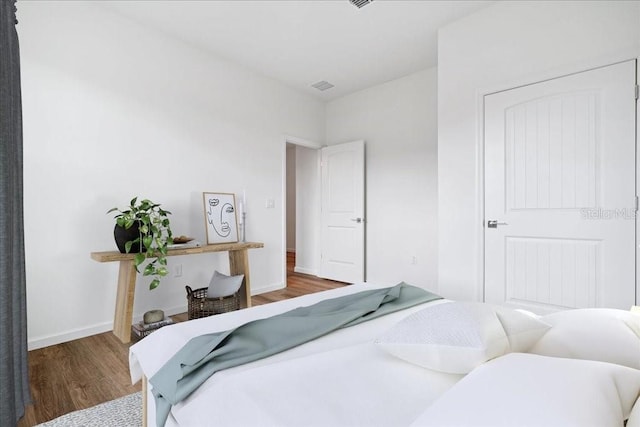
(302, 42)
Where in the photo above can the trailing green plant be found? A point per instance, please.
(154, 236)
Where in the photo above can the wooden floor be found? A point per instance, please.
(85, 372)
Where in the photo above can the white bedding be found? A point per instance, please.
(350, 378)
(529, 390)
(148, 355)
(339, 387)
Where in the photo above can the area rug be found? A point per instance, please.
(123, 412)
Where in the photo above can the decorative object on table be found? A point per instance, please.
(182, 239)
(184, 242)
(142, 329)
(191, 244)
(123, 235)
(199, 305)
(151, 240)
(222, 285)
(220, 218)
(242, 217)
(153, 316)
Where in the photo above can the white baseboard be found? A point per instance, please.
(305, 271)
(270, 288)
(74, 334)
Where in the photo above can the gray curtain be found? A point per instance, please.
(14, 377)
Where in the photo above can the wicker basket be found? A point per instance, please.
(201, 306)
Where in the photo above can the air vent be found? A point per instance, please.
(360, 3)
(322, 85)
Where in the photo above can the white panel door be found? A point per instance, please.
(560, 183)
(343, 224)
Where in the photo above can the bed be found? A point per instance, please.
(434, 364)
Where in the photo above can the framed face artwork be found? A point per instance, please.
(220, 218)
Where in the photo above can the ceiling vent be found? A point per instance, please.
(360, 3)
(322, 85)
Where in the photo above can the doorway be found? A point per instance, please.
(331, 180)
(301, 188)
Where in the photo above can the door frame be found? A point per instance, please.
(531, 79)
(637, 183)
(289, 139)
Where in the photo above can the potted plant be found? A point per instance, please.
(143, 228)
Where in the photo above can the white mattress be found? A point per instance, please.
(336, 380)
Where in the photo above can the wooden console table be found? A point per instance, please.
(238, 262)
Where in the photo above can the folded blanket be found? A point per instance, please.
(204, 355)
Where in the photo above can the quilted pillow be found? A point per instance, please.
(456, 337)
(529, 390)
(222, 285)
(603, 334)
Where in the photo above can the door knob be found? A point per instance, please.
(358, 220)
(492, 223)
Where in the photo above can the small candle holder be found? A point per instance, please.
(243, 227)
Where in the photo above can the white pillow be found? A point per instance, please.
(456, 337)
(530, 390)
(603, 334)
(222, 285)
(634, 416)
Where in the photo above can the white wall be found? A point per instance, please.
(308, 211)
(397, 120)
(112, 110)
(505, 45)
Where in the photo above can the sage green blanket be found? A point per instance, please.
(204, 355)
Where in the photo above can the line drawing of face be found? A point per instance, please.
(220, 217)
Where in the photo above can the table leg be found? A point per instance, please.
(145, 395)
(124, 301)
(239, 264)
